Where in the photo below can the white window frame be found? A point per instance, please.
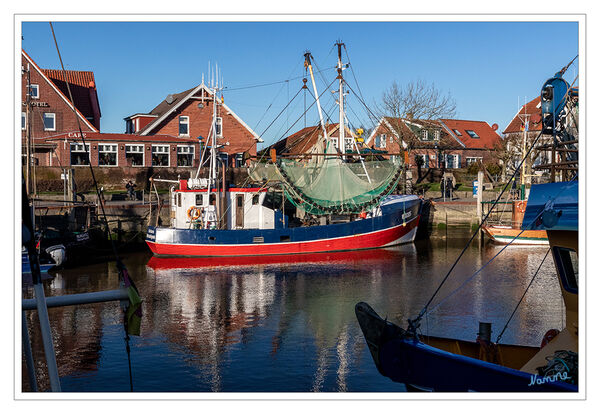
(219, 127)
(184, 120)
(424, 135)
(79, 148)
(168, 152)
(349, 142)
(334, 141)
(136, 149)
(109, 151)
(436, 135)
(382, 141)
(181, 150)
(424, 157)
(454, 163)
(457, 132)
(53, 119)
(23, 121)
(37, 91)
(472, 160)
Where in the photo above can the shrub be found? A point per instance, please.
(493, 168)
(473, 168)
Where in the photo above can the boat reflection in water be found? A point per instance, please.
(282, 325)
(215, 304)
(372, 255)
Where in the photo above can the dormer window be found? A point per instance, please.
(472, 133)
(184, 126)
(34, 91)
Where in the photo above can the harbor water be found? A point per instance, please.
(284, 324)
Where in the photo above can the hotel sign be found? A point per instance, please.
(38, 104)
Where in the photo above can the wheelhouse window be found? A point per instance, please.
(185, 155)
(472, 133)
(49, 121)
(184, 126)
(23, 120)
(239, 159)
(219, 127)
(34, 91)
(199, 199)
(79, 155)
(568, 268)
(107, 154)
(134, 154)
(160, 155)
(255, 199)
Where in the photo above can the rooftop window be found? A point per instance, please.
(457, 132)
(472, 133)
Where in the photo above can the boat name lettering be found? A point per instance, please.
(82, 237)
(406, 215)
(562, 376)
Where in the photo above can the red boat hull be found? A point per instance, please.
(399, 234)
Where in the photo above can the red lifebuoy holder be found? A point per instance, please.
(521, 206)
(549, 336)
(194, 213)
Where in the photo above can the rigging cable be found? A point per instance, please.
(520, 300)
(122, 270)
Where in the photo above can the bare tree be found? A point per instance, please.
(417, 100)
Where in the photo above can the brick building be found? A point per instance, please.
(189, 114)
(448, 143)
(308, 140)
(45, 107)
(118, 150)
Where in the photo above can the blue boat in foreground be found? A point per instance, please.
(444, 364)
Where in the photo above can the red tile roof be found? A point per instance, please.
(535, 117)
(82, 85)
(304, 140)
(488, 138)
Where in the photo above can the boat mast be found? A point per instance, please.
(342, 128)
(525, 119)
(308, 64)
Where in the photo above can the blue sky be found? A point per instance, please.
(486, 66)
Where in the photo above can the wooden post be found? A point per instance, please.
(479, 194)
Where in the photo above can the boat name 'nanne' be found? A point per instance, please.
(563, 376)
(407, 215)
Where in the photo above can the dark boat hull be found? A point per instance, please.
(404, 358)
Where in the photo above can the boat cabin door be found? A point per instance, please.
(239, 211)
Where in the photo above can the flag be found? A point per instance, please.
(133, 312)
